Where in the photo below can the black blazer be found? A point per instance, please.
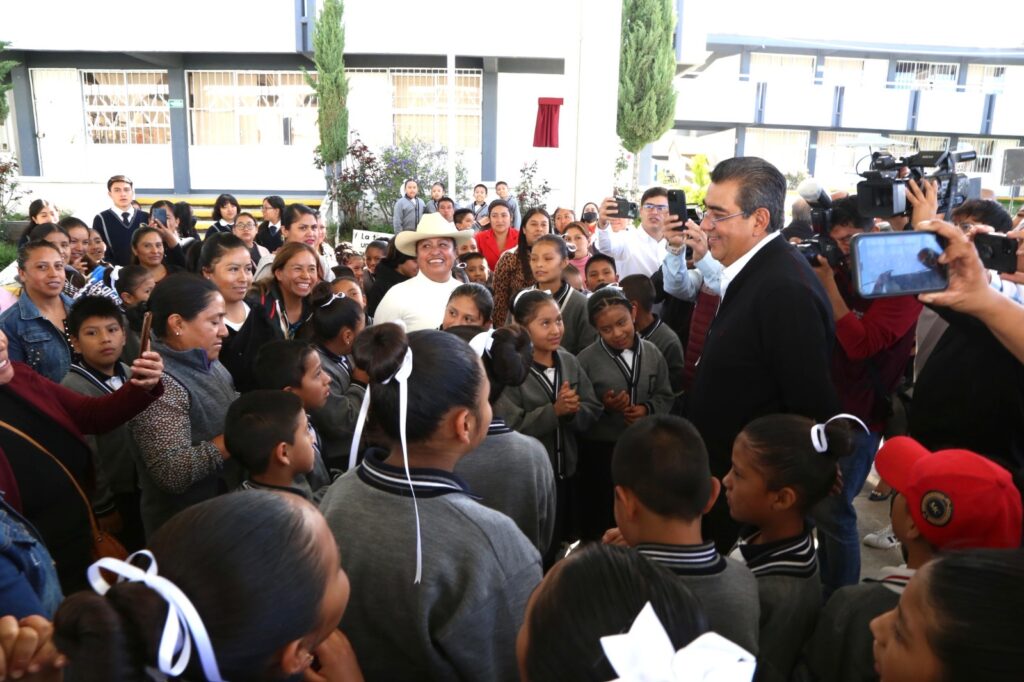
(268, 240)
(767, 351)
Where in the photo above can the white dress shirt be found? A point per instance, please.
(635, 252)
(730, 271)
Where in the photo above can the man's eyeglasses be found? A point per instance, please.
(714, 221)
(657, 208)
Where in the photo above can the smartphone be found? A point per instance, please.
(160, 215)
(147, 324)
(997, 252)
(897, 263)
(677, 206)
(626, 209)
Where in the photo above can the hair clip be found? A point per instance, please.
(332, 299)
(460, 266)
(515, 301)
(645, 652)
(818, 438)
(183, 624)
(570, 247)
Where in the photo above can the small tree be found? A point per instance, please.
(5, 84)
(411, 160)
(647, 65)
(531, 191)
(331, 88)
(699, 170)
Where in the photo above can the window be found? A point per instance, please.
(986, 78)
(251, 108)
(768, 67)
(990, 154)
(919, 143)
(925, 75)
(786, 149)
(420, 106)
(126, 107)
(843, 71)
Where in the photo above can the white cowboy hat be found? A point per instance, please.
(431, 225)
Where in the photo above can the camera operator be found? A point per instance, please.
(875, 339)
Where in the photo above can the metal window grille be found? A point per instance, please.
(925, 75)
(923, 143)
(126, 107)
(251, 107)
(767, 67)
(420, 106)
(838, 153)
(786, 148)
(987, 78)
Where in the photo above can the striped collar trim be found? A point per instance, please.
(426, 482)
(793, 557)
(685, 559)
(646, 332)
(893, 578)
(498, 427)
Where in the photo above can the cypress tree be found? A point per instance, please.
(5, 84)
(647, 65)
(331, 88)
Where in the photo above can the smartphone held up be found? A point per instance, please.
(897, 263)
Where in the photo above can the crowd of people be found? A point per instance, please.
(505, 444)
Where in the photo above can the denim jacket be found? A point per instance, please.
(28, 578)
(34, 340)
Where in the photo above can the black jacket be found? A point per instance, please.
(384, 278)
(267, 239)
(767, 351)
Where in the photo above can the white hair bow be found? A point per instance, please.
(183, 623)
(482, 342)
(646, 654)
(818, 438)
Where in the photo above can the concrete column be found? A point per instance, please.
(489, 121)
(25, 121)
(176, 90)
(589, 114)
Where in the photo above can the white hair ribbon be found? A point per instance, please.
(332, 299)
(364, 410)
(183, 623)
(482, 342)
(402, 378)
(646, 654)
(818, 438)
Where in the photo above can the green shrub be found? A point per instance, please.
(8, 254)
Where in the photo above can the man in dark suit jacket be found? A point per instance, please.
(117, 224)
(769, 346)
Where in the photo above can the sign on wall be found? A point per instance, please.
(362, 238)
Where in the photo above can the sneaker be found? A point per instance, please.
(883, 539)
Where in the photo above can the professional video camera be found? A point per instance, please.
(821, 244)
(883, 192)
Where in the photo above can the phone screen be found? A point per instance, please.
(897, 264)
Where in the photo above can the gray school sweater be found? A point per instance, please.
(511, 473)
(840, 650)
(725, 587)
(790, 595)
(113, 452)
(667, 341)
(647, 383)
(460, 622)
(579, 333)
(336, 420)
(529, 409)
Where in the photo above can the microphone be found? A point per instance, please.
(813, 194)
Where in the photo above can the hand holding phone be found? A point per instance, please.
(898, 263)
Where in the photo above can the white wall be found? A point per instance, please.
(517, 116)
(256, 167)
(151, 25)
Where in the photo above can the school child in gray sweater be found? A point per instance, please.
(782, 465)
(443, 581)
(294, 366)
(336, 321)
(554, 404)
(549, 258)
(663, 487)
(510, 471)
(641, 294)
(630, 378)
(266, 432)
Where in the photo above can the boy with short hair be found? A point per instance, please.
(97, 330)
(945, 501)
(663, 487)
(464, 219)
(266, 431)
(476, 268)
(117, 224)
(640, 291)
(294, 367)
(600, 270)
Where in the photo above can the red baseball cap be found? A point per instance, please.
(957, 498)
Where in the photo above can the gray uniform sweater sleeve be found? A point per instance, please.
(789, 612)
